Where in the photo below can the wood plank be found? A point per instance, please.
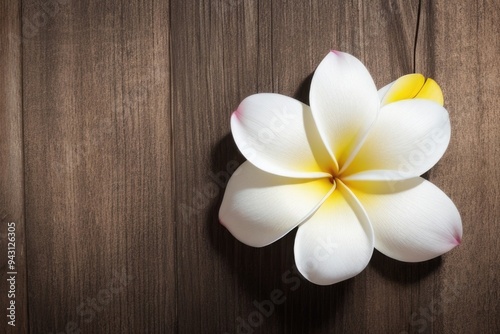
(12, 224)
(98, 167)
(218, 57)
(459, 47)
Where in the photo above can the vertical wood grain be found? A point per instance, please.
(115, 150)
(11, 172)
(219, 50)
(459, 47)
(97, 126)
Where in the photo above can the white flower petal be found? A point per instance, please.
(277, 134)
(408, 138)
(258, 207)
(344, 103)
(413, 220)
(336, 243)
(384, 90)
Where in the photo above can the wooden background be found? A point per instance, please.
(115, 144)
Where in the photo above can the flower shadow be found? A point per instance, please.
(302, 93)
(403, 272)
(260, 272)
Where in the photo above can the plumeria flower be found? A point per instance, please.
(345, 170)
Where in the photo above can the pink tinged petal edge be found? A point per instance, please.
(259, 208)
(413, 219)
(237, 113)
(336, 242)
